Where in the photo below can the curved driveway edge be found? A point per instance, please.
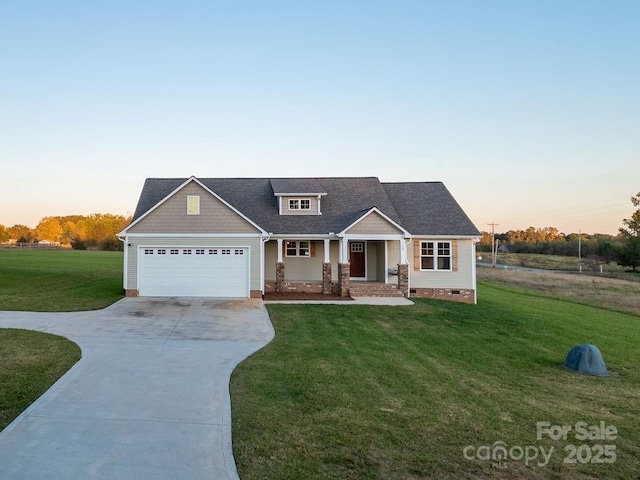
(148, 399)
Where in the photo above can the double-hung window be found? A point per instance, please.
(298, 249)
(435, 255)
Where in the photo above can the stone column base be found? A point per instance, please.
(344, 271)
(326, 278)
(279, 277)
(403, 279)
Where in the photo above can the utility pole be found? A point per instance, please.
(494, 247)
(580, 250)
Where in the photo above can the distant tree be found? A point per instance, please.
(486, 239)
(605, 248)
(50, 229)
(629, 250)
(21, 233)
(73, 229)
(4, 234)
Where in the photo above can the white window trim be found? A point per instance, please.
(193, 204)
(435, 256)
(297, 204)
(291, 244)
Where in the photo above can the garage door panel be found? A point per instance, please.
(201, 272)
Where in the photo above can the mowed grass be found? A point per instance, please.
(30, 362)
(59, 280)
(364, 392)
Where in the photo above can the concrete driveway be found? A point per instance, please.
(148, 400)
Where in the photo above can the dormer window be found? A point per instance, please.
(299, 204)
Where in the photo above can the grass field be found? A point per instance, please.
(599, 291)
(59, 280)
(30, 362)
(357, 392)
(558, 262)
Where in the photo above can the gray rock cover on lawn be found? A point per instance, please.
(586, 358)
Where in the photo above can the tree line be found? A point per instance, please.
(623, 248)
(533, 240)
(81, 232)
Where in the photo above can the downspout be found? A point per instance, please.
(474, 271)
(408, 242)
(262, 259)
(125, 281)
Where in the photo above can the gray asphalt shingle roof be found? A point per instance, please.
(423, 208)
(296, 185)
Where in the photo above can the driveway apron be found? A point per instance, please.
(148, 400)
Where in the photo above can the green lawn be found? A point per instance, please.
(54, 281)
(358, 392)
(30, 362)
(59, 280)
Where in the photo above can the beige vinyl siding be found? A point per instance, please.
(373, 224)
(303, 268)
(381, 267)
(313, 203)
(372, 256)
(393, 253)
(252, 242)
(462, 278)
(214, 217)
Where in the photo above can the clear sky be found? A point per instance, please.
(528, 110)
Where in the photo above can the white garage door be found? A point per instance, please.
(193, 272)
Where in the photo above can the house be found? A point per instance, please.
(244, 237)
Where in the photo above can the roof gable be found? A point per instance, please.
(374, 222)
(169, 214)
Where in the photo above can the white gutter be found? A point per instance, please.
(262, 260)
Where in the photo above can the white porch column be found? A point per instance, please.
(327, 258)
(344, 251)
(279, 240)
(403, 251)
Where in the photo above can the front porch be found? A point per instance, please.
(343, 266)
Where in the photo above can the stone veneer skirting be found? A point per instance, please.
(293, 287)
(451, 294)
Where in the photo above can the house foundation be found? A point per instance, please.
(450, 294)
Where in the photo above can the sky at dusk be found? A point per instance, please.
(529, 111)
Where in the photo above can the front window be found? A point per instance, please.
(297, 249)
(435, 255)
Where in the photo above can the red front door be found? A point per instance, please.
(356, 259)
